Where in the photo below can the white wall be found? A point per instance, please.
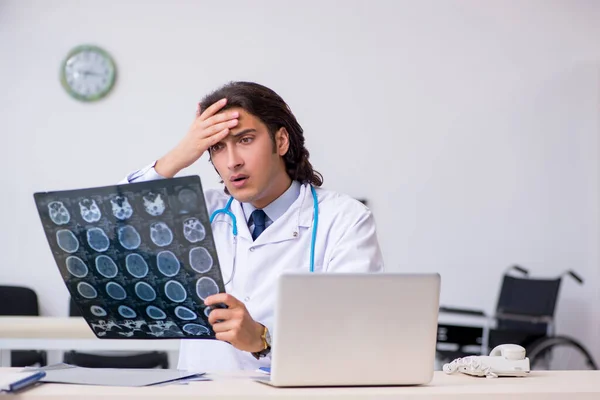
(472, 127)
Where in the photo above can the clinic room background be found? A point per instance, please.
(471, 128)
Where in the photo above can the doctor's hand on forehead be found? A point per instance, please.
(234, 324)
(208, 129)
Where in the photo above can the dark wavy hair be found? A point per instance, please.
(270, 108)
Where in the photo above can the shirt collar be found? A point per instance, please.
(279, 206)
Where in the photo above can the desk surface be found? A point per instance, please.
(66, 333)
(45, 328)
(569, 385)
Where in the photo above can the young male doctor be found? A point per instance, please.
(257, 148)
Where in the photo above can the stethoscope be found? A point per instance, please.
(227, 211)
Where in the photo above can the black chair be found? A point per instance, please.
(153, 359)
(21, 301)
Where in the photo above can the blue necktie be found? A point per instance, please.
(259, 217)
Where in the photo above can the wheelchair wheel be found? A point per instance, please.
(559, 353)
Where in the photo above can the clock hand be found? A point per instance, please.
(90, 73)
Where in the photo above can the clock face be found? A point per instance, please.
(88, 73)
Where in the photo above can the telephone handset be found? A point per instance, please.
(504, 360)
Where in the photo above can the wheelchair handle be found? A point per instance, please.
(573, 275)
(464, 311)
(520, 269)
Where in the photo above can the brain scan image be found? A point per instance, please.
(188, 199)
(196, 329)
(97, 239)
(67, 241)
(121, 208)
(155, 312)
(154, 204)
(129, 237)
(167, 263)
(193, 230)
(116, 291)
(205, 287)
(161, 234)
(76, 267)
(200, 260)
(89, 210)
(86, 290)
(144, 291)
(175, 291)
(136, 265)
(106, 266)
(138, 259)
(185, 313)
(127, 312)
(98, 311)
(164, 329)
(58, 213)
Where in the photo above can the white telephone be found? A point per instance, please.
(504, 360)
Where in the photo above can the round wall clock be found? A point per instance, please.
(88, 73)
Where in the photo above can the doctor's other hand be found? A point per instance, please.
(209, 128)
(234, 324)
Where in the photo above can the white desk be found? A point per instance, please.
(65, 333)
(571, 385)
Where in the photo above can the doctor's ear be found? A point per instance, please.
(282, 141)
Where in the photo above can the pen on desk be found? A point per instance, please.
(265, 370)
(23, 383)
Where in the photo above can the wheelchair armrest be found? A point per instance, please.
(532, 319)
(461, 311)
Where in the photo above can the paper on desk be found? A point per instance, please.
(65, 373)
(185, 381)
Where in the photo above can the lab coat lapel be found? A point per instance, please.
(288, 226)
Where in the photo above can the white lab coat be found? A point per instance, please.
(346, 242)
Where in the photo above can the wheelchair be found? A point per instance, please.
(525, 316)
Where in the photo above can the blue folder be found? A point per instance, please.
(14, 382)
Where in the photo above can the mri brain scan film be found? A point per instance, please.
(138, 259)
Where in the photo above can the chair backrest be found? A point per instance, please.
(18, 300)
(528, 297)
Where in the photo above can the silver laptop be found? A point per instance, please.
(354, 329)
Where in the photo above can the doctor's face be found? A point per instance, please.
(250, 162)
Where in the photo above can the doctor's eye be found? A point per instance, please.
(215, 148)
